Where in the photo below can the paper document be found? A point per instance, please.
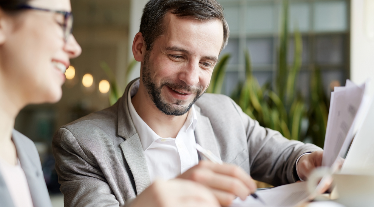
(282, 196)
(361, 152)
(351, 117)
(342, 121)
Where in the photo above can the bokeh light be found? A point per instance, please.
(87, 80)
(104, 86)
(70, 72)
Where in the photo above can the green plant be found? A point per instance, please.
(116, 91)
(318, 110)
(218, 75)
(281, 107)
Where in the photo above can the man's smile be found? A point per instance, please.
(180, 91)
(179, 94)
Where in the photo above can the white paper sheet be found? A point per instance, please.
(356, 125)
(349, 114)
(345, 103)
(282, 196)
(361, 153)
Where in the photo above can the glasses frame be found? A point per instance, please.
(68, 19)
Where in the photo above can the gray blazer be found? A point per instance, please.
(100, 160)
(30, 163)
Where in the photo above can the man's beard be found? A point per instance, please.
(175, 109)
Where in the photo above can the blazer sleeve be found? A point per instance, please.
(82, 181)
(272, 157)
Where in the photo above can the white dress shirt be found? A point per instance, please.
(16, 182)
(166, 157)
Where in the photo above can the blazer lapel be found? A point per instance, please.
(132, 147)
(5, 196)
(133, 151)
(33, 175)
(204, 134)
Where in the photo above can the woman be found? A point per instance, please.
(35, 47)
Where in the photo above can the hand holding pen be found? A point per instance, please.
(226, 181)
(210, 156)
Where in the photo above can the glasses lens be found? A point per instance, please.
(69, 26)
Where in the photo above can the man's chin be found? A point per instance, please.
(174, 109)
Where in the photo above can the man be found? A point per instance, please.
(111, 156)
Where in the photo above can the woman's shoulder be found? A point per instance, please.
(24, 143)
(19, 138)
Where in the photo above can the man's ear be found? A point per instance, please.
(138, 47)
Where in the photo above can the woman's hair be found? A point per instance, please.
(12, 5)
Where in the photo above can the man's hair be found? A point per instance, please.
(12, 5)
(152, 24)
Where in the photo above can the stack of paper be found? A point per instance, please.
(285, 196)
(348, 108)
(351, 112)
(361, 154)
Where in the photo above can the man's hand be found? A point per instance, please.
(308, 163)
(177, 192)
(226, 181)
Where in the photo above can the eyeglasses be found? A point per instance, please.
(67, 25)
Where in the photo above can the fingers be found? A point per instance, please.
(308, 163)
(224, 198)
(231, 171)
(193, 194)
(225, 180)
(221, 182)
(177, 192)
(317, 158)
(325, 185)
(340, 162)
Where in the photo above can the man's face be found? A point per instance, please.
(177, 71)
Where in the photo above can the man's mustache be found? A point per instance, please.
(184, 87)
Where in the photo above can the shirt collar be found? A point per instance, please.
(191, 119)
(146, 134)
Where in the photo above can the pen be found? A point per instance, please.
(210, 156)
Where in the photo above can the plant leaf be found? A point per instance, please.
(248, 65)
(282, 54)
(291, 78)
(218, 75)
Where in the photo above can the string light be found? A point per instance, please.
(104, 86)
(70, 72)
(87, 80)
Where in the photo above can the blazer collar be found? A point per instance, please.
(132, 148)
(5, 196)
(30, 168)
(204, 134)
(27, 164)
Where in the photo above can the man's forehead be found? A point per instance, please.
(188, 32)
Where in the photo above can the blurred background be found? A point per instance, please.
(336, 36)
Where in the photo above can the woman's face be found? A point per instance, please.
(33, 53)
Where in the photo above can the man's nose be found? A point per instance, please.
(190, 73)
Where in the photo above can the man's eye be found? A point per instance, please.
(176, 57)
(207, 64)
